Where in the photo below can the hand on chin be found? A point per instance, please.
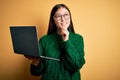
(64, 33)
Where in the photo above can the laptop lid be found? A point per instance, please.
(25, 41)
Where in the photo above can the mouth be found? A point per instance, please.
(63, 24)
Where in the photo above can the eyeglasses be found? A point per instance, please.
(59, 17)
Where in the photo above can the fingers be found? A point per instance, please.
(65, 34)
(35, 60)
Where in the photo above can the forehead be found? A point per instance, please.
(61, 10)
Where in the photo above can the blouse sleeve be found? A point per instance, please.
(73, 54)
(38, 70)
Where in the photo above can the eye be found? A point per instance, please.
(66, 14)
(57, 16)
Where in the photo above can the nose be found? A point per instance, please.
(62, 18)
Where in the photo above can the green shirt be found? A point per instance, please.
(70, 53)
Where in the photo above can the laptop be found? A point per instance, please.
(25, 41)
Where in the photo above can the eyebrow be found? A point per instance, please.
(60, 14)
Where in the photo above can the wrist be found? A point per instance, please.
(66, 36)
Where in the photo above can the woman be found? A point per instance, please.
(62, 43)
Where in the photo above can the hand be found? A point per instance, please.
(65, 34)
(35, 60)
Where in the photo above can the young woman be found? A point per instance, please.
(62, 44)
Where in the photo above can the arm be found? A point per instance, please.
(37, 70)
(73, 54)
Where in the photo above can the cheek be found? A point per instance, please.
(68, 23)
(57, 24)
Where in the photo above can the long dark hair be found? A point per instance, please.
(52, 27)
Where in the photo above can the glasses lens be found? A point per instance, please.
(66, 16)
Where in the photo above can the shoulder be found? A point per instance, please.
(76, 39)
(76, 35)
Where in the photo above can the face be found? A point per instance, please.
(62, 18)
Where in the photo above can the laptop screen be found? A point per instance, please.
(25, 41)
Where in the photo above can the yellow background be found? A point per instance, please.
(97, 20)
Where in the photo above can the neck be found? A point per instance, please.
(58, 31)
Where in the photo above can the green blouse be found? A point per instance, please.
(70, 53)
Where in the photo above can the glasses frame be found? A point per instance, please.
(59, 17)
